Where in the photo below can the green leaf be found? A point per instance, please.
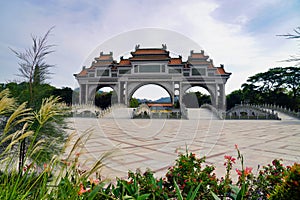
(94, 192)
(242, 192)
(194, 194)
(214, 195)
(235, 190)
(178, 193)
(143, 197)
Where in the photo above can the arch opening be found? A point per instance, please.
(104, 96)
(150, 93)
(196, 96)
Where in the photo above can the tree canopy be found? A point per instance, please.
(280, 86)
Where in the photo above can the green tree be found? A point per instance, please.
(103, 100)
(65, 93)
(134, 102)
(280, 86)
(235, 97)
(291, 80)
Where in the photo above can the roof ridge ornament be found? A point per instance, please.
(137, 47)
(164, 46)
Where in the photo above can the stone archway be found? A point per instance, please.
(212, 90)
(191, 100)
(93, 88)
(133, 87)
(154, 91)
(155, 66)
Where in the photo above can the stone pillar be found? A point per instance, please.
(222, 97)
(121, 92)
(82, 94)
(126, 94)
(216, 96)
(86, 93)
(180, 93)
(117, 90)
(173, 93)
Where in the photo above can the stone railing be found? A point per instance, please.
(86, 110)
(281, 109)
(256, 112)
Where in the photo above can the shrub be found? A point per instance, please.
(289, 188)
(188, 173)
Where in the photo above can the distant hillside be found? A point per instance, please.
(161, 100)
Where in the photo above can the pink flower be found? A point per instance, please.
(94, 181)
(236, 146)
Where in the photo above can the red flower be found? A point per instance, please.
(238, 172)
(247, 171)
(230, 158)
(82, 190)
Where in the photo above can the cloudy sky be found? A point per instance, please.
(239, 34)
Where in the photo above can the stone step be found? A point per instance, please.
(119, 113)
(201, 113)
(193, 113)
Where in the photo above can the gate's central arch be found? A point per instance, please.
(153, 65)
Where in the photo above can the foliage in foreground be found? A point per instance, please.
(189, 179)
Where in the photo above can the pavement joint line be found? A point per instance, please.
(259, 142)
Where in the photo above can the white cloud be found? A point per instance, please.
(81, 27)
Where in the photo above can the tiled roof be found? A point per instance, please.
(125, 62)
(175, 61)
(198, 55)
(105, 57)
(221, 71)
(199, 62)
(150, 57)
(102, 63)
(83, 73)
(149, 51)
(153, 54)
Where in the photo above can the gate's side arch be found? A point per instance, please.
(209, 88)
(94, 88)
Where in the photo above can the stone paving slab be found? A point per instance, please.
(155, 144)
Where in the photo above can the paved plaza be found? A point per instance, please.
(155, 143)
